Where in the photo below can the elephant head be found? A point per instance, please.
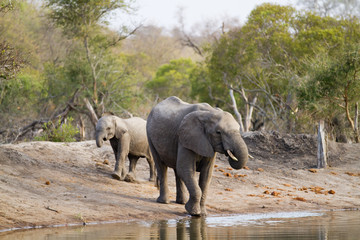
(207, 132)
(106, 129)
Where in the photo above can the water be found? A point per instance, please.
(295, 225)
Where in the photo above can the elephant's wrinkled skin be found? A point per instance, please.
(128, 139)
(186, 138)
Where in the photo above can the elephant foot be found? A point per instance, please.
(193, 209)
(152, 179)
(203, 211)
(130, 178)
(115, 176)
(180, 200)
(163, 200)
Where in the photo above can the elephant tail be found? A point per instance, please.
(157, 183)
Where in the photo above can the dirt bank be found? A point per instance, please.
(45, 183)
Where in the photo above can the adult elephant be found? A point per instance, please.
(186, 137)
(128, 139)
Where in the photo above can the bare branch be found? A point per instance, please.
(186, 39)
(123, 37)
(92, 115)
(190, 43)
(237, 114)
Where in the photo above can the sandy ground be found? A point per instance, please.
(45, 183)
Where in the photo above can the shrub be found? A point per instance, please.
(59, 132)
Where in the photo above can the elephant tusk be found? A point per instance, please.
(250, 156)
(232, 155)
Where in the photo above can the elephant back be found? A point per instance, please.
(173, 110)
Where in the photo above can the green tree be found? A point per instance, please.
(249, 60)
(173, 79)
(264, 60)
(333, 85)
(11, 58)
(84, 20)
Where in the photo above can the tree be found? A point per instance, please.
(11, 58)
(7, 5)
(264, 60)
(344, 8)
(333, 83)
(247, 60)
(173, 79)
(83, 20)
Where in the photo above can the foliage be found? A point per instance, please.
(57, 64)
(172, 79)
(11, 56)
(333, 86)
(7, 5)
(342, 8)
(265, 59)
(79, 18)
(11, 61)
(83, 20)
(298, 65)
(59, 132)
(199, 78)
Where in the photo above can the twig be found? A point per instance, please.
(54, 210)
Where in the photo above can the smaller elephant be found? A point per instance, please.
(128, 139)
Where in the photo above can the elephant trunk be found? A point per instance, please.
(238, 156)
(99, 140)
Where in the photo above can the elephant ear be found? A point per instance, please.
(120, 127)
(192, 134)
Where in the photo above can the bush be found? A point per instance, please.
(58, 132)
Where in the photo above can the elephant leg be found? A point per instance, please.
(114, 144)
(131, 176)
(121, 150)
(150, 161)
(207, 166)
(161, 176)
(186, 170)
(180, 189)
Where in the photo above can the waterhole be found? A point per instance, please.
(289, 225)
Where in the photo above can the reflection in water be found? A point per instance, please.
(197, 229)
(324, 226)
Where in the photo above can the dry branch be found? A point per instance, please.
(92, 115)
(237, 114)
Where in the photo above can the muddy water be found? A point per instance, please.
(296, 225)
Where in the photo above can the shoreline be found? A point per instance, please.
(57, 184)
(270, 216)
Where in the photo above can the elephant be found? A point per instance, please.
(186, 137)
(128, 139)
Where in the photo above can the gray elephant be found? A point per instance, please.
(128, 139)
(186, 137)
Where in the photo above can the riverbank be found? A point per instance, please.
(45, 183)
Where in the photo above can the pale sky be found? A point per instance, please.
(163, 12)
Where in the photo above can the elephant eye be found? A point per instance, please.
(107, 128)
(218, 132)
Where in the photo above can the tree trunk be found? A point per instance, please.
(249, 112)
(249, 108)
(93, 69)
(237, 114)
(92, 115)
(322, 148)
(356, 123)
(82, 128)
